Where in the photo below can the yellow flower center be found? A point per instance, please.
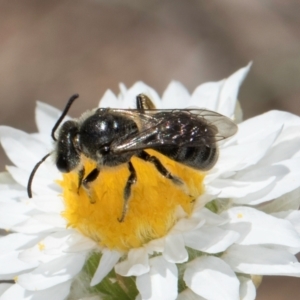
(152, 205)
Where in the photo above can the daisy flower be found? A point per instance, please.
(213, 239)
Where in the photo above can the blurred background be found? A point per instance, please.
(52, 49)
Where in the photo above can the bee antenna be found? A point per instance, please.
(29, 184)
(63, 114)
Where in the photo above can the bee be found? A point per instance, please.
(111, 137)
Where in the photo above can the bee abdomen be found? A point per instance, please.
(201, 158)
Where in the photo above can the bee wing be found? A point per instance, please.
(164, 128)
(225, 126)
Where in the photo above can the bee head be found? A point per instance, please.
(67, 158)
(67, 150)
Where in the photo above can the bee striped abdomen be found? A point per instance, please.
(202, 158)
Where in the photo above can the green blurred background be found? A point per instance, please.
(52, 49)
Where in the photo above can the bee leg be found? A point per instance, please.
(80, 178)
(127, 190)
(143, 102)
(92, 176)
(159, 166)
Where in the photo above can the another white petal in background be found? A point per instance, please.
(175, 250)
(15, 141)
(129, 99)
(247, 288)
(175, 95)
(210, 239)
(57, 292)
(188, 294)
(220, 96)
(137, 263)
(11, 264)
(261, 260)
(53, 273)
(108, 260)
(212, 278)
(256, 227)
(160, 283)
(45, 117)
(109, 99)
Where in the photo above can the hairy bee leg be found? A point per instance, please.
(81, 174)
(132, 179)
(92, 176)
(159, 166)
(143, 102)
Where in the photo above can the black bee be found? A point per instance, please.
(112, 137)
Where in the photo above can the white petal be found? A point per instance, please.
(188, 223)
(58, 292)
(210, 239)
(11, 193)
(56, 243)
(4, 287)
(220, 96)
(247, 288)
(19, 175)
(11, 264)
(15, 241)
(5, 179)
(47, 249)
(283, 149)
(123, 91)
(293, 217)
(175, 251)
(32, 226)
(137, 263)
(40, 185)
(175, 96)
(55, 272)
(78, 242)
(54, 219)
(287, 175)
(210, 218)
(48, 203)
(15, 142)
(256, 227)
(35, 255)
(160, 283)
(13, 213)
(212, 278)
(108, 260)
(129, 101)
(261, 260)
(45, 117)
(229, 91)
(206, 95)
(288, 201)
(240, 156)
(188, 294)
(156, 245)
(109, 99)
(262, 125)
(16, 292)
(240, 189)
